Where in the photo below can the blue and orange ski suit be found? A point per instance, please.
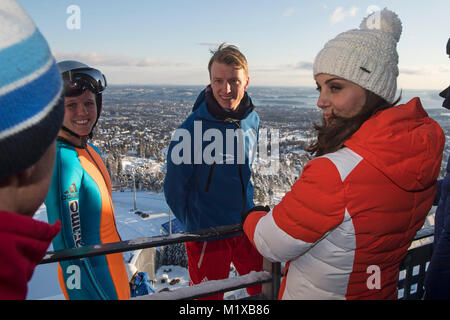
(80, 197)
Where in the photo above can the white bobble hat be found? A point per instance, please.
(366, 56)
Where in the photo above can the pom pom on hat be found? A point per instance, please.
(384, 20)
(366, 56)
(31, 105)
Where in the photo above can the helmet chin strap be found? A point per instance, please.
(70, 132)
(83, 139)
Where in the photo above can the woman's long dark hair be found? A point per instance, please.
(331, 138)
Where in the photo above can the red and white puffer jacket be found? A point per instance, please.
(347, 223)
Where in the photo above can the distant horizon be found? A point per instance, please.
(295, 96)
(250, 87)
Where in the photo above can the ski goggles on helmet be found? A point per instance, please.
(78, 80)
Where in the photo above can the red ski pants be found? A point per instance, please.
(210, 260)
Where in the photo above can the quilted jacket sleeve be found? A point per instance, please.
(314, 206)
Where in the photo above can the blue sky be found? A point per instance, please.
(168, 41)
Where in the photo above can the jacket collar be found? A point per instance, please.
(207, 107)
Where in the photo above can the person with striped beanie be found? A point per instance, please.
(32, 112)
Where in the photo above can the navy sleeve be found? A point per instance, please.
(438, 193)
(437, 283)
(180, 170)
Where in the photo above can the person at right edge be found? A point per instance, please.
(348, 221)
(437, 279)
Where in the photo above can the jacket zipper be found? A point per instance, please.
(244, 195)
(208, 182)
(94, 281)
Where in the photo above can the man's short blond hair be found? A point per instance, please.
(230, 55)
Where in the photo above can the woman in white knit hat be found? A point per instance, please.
(347, 223)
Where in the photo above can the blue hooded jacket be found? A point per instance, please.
(207, 183)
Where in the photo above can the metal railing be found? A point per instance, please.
(410, 285)
(140, 243)
(413, 268)
(269, 277)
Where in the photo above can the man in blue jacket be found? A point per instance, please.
(209, 168)
(437, 282)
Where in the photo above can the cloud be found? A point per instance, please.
(289, 12)
(412, 71)
(426, 70)
(266, 69)
(340, 14)
(298, 66)
(208, 44)
(434, 77)
(302, 65)
(97, 59)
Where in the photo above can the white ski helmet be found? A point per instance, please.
(78, 77)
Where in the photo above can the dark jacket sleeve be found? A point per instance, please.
(446, 95)
(179, 173)
(437, 283)
(438, 193)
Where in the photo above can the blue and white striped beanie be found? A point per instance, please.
(31, 104)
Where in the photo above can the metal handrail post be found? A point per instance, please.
(270, 289)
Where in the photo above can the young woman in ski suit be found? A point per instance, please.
(347, 223)
(80, 193)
